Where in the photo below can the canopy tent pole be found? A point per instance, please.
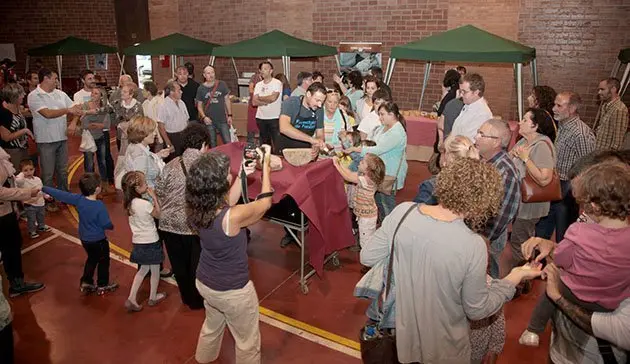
(211, 61)
(122, 64)
(235, 69)
(425, 81)
(87, 62)
(28, 60)
(59, 60)
(173, 65)
(286, 66)
(518, 69)
(625, 80)
(386, 76)
(338, 64)
(534, 72)
(616, 68)
(389, 70)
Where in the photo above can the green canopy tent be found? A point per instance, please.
(467, 44)
(69, 46)
(275, 44)
(175, 44)
(622, 58)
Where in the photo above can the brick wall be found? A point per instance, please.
(32, 23)
(576, 40)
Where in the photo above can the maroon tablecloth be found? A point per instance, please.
(421, 130)
(318, 190)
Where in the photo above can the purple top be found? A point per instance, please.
(223, 263)
(595, 262)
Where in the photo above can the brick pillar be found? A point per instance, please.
(163, 20)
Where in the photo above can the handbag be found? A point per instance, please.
(388, 186)
(381, 349)
(87, 142)
(531, 191)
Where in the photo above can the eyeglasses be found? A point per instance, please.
(332, 92)
(481, 134)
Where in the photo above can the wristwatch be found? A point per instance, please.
(230, 115)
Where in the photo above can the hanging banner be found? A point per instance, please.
(360, 56)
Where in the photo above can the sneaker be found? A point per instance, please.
(87, 288)
(286, 240)
(529, 338)
(165, 273)
(132, 307)
(52, 207)
(108, 288)
(158, 298)
(34, 235)
(44, 229)
(19, 287)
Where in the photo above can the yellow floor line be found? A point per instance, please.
(348, 343)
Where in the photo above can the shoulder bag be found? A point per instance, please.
(531, 191)
(388, 186)
(381, 349)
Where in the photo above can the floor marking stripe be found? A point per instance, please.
(39, 243)
(278, 320)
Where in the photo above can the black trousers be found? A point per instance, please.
(269, 132)
(97, 258)
(11, 246)
(6, 345)
(183, 252)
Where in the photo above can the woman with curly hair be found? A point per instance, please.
(594, 258)
(223, 274)
(455, 146)
(439, 266)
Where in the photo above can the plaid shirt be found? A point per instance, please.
(511, 199)
(611, 125)
(575, 140)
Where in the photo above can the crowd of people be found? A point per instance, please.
(446, 245)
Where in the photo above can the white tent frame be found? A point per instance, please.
(625, 79)
(518, 77)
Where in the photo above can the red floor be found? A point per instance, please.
(58, 325)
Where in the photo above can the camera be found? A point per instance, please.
(250, 153)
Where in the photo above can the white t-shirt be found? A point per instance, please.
(269, 111)
(173, 115)
(471, 118)
(34, 182)
(49, 130)
(614, 326)
(369, 124)
(82, 96)
(141, 222)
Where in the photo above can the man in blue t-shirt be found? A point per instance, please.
(302, 120)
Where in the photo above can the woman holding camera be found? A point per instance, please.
(223, 274)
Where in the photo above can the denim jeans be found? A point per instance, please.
(53, 158)
(103, 157)
(496, 249)
(35, 217)
(561, 214)
(97, 258)
(222, 128)
(385, 204)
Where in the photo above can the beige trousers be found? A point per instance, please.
(239, 310)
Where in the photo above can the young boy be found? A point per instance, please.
(34, 208)
(93, 221)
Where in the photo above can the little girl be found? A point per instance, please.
(594, 257)
(147, 249)
(370, 175)
(351, 139)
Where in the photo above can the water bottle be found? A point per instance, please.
(369, 332)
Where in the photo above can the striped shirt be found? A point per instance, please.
(575, 140)
(611, 125)
(364, 203)
(511, 197)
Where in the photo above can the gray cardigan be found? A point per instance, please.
(440, 274)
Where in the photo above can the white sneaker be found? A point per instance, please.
(529, 338)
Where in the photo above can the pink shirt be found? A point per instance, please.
(595, 263)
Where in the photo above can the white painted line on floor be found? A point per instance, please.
(40, 243)
(268, 320)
